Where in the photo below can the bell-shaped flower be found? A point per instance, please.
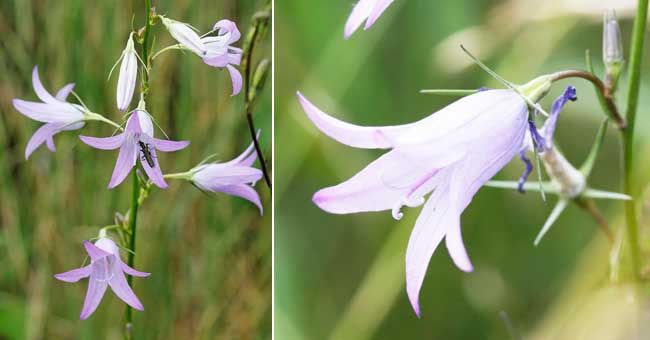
(221, 54)
(105, 269)
(57, 114)
(236, 177)
(136, 142)
(449, 154)
(128, 76)
(365, 10)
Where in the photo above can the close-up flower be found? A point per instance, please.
(57, 114)
(137, 142)
(105, 269)
(451, 153)
(365, 10)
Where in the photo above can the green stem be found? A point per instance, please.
(133, 213)
(638, 37)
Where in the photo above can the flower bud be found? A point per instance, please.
(612, 48)
(185, 35)
(128, 76)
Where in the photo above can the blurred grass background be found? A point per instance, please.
(342, 277)
(210, 258)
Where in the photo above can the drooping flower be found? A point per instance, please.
(136, 142)
(365, 10)
(128, 75)
(105, 269)
(235, 177)
(57, 114)
(449, 154)
(214, 50)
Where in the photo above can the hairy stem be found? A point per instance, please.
(636, 55)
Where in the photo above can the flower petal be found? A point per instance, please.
(125, 162)
(360, 12)
(50, 144)
(121, 288)
(154, 173)
(75, 274)
(43, 134)
(236, 78)
(125, 267)
(48, 113)
(217, 175)
(104, 143)
(96, 290)
(379, 8)
(436, 217)
(371, 137)
(41, 92)
(95, 252)
(244, 191)
(226, 26)
(246, 158)
(64, 92)
(456, 248)
(169, 145)
(126, 81)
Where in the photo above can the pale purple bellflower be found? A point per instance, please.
(449, 154)
(365, 10)
(136, 142)
(105, 269)
(236, 177)
(216, 51)
(57, 114)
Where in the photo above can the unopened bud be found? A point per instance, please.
(612, 49)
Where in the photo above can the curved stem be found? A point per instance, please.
(638, 37)
(605, 96)
(168, 48)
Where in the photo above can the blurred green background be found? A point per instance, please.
(342, 276)
(210, 257)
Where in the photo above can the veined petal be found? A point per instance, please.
(64, 92)
(371, 137)
(75, 274)
(121, 288)
(104, 143)
(169, 145)
(125, 162)
(40, 90)
(126, 81)
(96, 290)
(154, 173)
(236, 78)
(437, 216)
(379, 8)
(43, 134)
(360, 12)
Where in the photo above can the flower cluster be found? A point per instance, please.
(138, 148)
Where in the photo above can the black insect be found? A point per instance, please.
(147, 156)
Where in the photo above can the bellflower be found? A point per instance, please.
(57, 114)
(214, 50)
(449, 154)
(105, 269)
(128, 76)
(136, 142)
(365, 10)
(235, 177)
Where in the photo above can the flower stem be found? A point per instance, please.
(135, 197)
(248, 51)
(636, 55)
